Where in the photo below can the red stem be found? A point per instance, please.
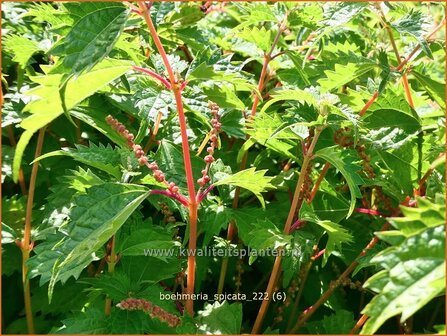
(254, 107)
(316, 186)
(177, 197)
(293, 209)
(154, 75)
(319, 254)
(369, 212)
(369, 103)
(26, 244)
(359, 324)
(192, 206)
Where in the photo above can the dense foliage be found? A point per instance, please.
(312, 131)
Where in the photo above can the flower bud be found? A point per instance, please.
(153, 166)
(121, 128)
(142, 160)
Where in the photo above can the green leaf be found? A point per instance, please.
(298, 252)
(412, 24)
(94, 111)
(249, 179)
(48, 107)
(435, 89)
(339, 323)
(272, 132)
(347, 169)
(413, 268)
(169, 158)
(340, 13)
(95, 217)
(220, 318)
(21, 48)
(301, 96)
(45, 12)
(214, 218)
(343, 74)
(264, 234)
(260, 13)
(11, 259)
(90, 321)
(308, 16)
(154, 238)
(92, 37)
(101, 157)
(224, 96)
(440, 329)
(416, 220)
(261, 38)
(183, 16)
(152, 100)
(337, 235)
(392, 110)
(13, 212)
(205, 72)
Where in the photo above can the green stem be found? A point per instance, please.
(13, 142)
(111, 268)
(26, 242)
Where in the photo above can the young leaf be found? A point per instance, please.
(48, 107)
(301, 96)
(250, 179)
(22, 48)
(348, 170)
(261, 38)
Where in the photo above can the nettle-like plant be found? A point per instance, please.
(314, 131)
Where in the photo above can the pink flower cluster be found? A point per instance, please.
(150, 309)
(139, 154)
(215, 122)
